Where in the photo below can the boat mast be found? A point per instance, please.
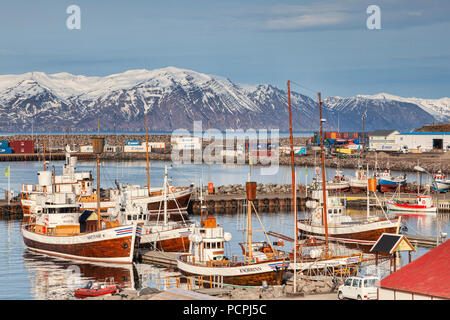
(322, 149)
(294, 197)
(146, 150)
(165, 195)
(97, 146)
(44, 155)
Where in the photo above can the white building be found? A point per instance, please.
(383, 140)
(423, 141)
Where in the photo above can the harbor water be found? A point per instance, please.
(25, 275)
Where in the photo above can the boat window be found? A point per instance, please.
(348, 282)
(129, 217)
(330, 211)
(355, 282)
(213, 245)
(339, 210)
(140, 217)
(145, 217)
(135, 217)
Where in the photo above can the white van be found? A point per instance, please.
(360, 288)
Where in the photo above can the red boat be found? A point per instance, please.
(101, 289)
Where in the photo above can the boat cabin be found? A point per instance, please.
(207, 243)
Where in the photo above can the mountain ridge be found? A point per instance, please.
(174, 98)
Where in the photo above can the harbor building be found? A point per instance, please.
(383, 140)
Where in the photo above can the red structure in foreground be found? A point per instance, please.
(427, 277)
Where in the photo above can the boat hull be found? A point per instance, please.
(358, 186)
(360, 234)
(441, 186)
(254, 274)
(114, 245)
(174, 240)
(389, 185)
(417, 209)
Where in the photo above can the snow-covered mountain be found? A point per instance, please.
(175, 98)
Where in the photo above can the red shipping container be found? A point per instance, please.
(22, 149)
(21, 143)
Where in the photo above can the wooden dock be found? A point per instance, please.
(11, 210)
(160, 258)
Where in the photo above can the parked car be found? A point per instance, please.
(360, 288)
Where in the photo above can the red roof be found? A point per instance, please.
(427, 275)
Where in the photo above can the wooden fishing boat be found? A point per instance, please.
(342, 227)
(160, 234)
(60, 230)
(310, 255)
(327, 218)
(81, 184)
(206, 256)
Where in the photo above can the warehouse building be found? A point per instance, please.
(383, 140)
(423, 141)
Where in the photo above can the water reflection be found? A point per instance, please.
(55, 278)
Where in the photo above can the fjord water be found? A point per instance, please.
(24, 275)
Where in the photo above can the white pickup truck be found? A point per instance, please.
(361, 288)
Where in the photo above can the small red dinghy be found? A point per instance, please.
(94, 291)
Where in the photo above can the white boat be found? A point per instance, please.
(206, 258)
(158, 234)
(60, 230)
(342, 227)
(81, 184)
(338, 183)
(440, 182)
(423, 205)
(358, 183)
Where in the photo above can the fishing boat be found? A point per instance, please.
(326, 216)
(387, 183)
(81, 184)
(157, 234)
(440, 182)
(423, 205)
(339, 183)
(342, 227)
(206, 256)
(60, 230)
(358, 183)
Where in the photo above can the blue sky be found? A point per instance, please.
(323, 45)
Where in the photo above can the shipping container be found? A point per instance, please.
(6, 150)
(327, 135)
(22, 150)
(333, 135)
(87, 148)
(21, 143)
